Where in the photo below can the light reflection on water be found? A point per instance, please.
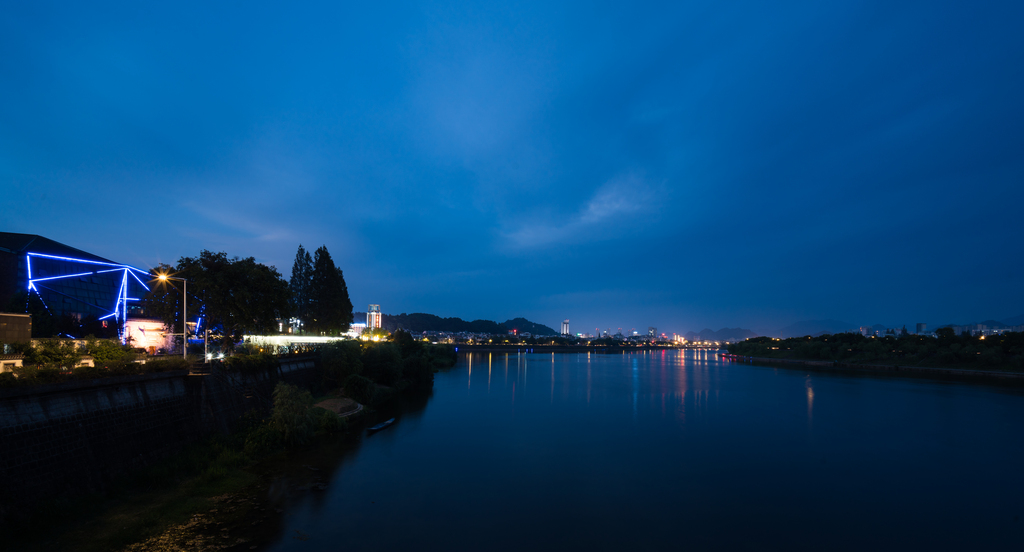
(638, 451)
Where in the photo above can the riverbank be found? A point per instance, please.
(211, 496)
(829, 365)
(217, 493)
(543, 349)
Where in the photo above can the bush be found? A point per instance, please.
(251, 364)
(166, 365)
(291, 416)
(106, 351)
(123, 368)
(382, 362)
(418, 371)
(340, 360)
(8, 379)
(39, 375)
(440, 356)
(406, 344)
(57, 353)
(327, 421)
(90, 372)
(262, 441)
(361, 389)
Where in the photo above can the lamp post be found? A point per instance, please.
(184, 317)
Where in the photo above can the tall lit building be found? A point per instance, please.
(565, 327)
(373, 317)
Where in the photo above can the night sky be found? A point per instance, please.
(679, 165)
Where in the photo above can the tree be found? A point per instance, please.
(233, 296)
(302, 272)
(330, 310)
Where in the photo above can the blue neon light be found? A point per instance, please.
(139, 281)
(75, 260)
(120, 306)
(129, 267)
(65, 276)
(47, 307)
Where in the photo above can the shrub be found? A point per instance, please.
(361, 389)
(382, 362)
(166, 365)
(39, 375)
(327, 421)
(57, 353)
(105, 351)
(405, 342)
(291, 416)
(440, 356)
(340, 360)
(8, 379)
(123, 368)
(90, 372)
(262, 441)
(251, 364)
(213, 473)
(418, 371)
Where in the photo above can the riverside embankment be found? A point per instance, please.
(75, 437)
(932, 371)
(541, 349)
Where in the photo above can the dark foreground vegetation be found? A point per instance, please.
(56, 360)
(948, 350)
(167, 505)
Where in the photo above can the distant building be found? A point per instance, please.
(14, 328)
(921, 327)
(355, 330)
(652, 331)
(565, 327)
(148, 334)
(373, 320)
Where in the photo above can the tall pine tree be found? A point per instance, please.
(330, 310)
(302, 273)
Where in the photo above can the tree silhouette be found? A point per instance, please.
(302, 273)
(330, 310)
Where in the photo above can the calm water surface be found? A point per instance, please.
(671, 450)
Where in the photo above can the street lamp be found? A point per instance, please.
(184, 317)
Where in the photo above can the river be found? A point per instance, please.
(669, 450)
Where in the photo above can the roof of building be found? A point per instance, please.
(20, 244)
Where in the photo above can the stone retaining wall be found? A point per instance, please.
(73, 437)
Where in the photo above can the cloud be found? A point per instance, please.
(616, 207)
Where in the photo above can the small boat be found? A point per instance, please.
(380, 426)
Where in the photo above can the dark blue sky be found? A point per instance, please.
(681, 165)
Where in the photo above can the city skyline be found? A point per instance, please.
(681, 167)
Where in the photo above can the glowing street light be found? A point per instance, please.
(184, 317)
